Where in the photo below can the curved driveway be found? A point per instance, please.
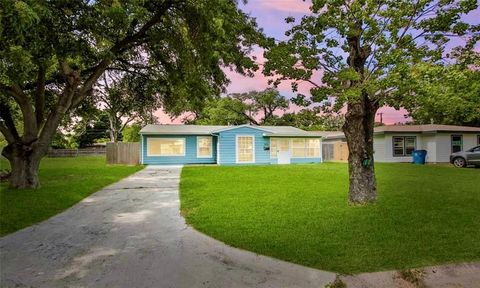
(131, 234)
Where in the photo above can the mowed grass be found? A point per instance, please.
(424, 215)
(64, 182)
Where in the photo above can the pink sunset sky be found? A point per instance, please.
(270, 15)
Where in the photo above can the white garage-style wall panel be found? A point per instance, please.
(379, 148)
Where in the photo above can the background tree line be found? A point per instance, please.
(55, 53)
(120, 111)
(267, 107)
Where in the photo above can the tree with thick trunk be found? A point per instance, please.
(124, 99)
(243, 108)
(358, 129)
(53, 54)
(365, 50)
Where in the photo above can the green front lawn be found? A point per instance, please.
(65, 181)
(425, 215)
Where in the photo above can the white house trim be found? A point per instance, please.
(218, 149)
(240, 126)
(236, 149)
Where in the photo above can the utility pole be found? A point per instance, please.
(381, 117)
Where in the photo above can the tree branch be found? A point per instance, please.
(410, 22)
(313, 83)
(126, 71)
(40, 95)
(119, 47)
(130, 119)
(29, 121)
(7, 125)
(72, 80)
(7, 133)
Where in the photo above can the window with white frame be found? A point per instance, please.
(278, 145)
(245, 149)
(273, 148)
(299, 147)
(403, 145)
(204, 146)
(165, 146)
(313, 148)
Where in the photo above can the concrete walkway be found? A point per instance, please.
(131, 234)
(463, 275)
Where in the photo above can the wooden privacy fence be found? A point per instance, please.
(123, 153)
(327, 151)
(340, 151)
(54, 153)
(337, 151)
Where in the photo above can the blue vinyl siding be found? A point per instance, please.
(227, 149)
(190, 152)
(227, 140)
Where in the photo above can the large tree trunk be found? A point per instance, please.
(113, 136)
(24, 162)
(358, 128)
(115, 126)
(25, 153)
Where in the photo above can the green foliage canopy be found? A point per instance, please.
(311, 119)
(223, 111)
(387, 37)
(254, 107)
(130, 133)
(125, 99)
(53, 53)
(364, 49)
(445, 94)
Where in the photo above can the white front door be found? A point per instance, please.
(245, 149)
(283, 151)
(283, 157)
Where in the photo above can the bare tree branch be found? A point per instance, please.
(410, 22)
(29, 121)
(7, 125)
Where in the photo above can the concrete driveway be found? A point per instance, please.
(131, 234)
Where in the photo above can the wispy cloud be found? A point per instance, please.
(293, 6)
(240, 83)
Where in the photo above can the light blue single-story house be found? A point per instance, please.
(228, 145)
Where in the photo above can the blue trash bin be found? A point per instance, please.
(419, 156)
